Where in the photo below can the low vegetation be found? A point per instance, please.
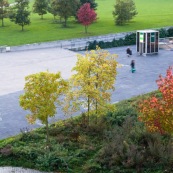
(116, 143)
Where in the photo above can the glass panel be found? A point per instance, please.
(137, 41)
(156, 42)
(144, 43)
(152, 48)
(148, 43)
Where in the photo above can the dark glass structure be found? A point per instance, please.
(147, 42)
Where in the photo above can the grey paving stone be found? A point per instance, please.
(17, 170)
(14, 66)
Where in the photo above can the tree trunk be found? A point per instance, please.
(88, 109)
(2, 22)
(86, 29)
(65, 22)
(22, 27)
(47, 133)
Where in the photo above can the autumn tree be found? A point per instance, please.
(86, 15)
(92, 83)
(41, 96)
(105, 72)
(3, 10)
(40, 7)
(20, 13)
(157, 113)
(124, 11)
(67, 8)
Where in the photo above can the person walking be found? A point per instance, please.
(132, 64)
(128, 51)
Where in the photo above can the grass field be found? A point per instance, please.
(151, 14)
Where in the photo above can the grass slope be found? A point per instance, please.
(151, 14)
(116, 143)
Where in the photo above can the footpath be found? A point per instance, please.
(73, 44)
(17, 170)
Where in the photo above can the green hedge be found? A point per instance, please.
(129, 39)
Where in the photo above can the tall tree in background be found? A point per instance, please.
(67, 8)
(40, 7)
(41, 96)
(53, 8)
(124, 11)
(20, 13)
(86, 15)
(93, 4)
(3, 10)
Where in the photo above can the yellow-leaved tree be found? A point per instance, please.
(93, 82)
(41, 96)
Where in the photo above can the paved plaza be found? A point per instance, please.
(14, 66)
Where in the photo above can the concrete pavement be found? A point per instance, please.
(14, 66)
(17, 170)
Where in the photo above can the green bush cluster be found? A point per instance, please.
(166, 32)
(113, 143)
(130, 148)
(129, 39)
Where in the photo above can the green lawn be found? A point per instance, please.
(151, 14)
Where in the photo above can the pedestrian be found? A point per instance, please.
(132, 64)
(128, 51)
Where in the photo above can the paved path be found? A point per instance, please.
(17, 170)
(14, 66)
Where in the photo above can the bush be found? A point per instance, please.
(51, 161)
(130, 39)
(170, 32)
(123, 109)
(131, 148)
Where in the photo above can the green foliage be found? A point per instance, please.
(19, 14)
(124, 11)
(53, 8)
(52, 161)
(170, 32)
(93, 4)
(67, 8)
(3, 10)
(163, 33)
(124, 109)
(128, 146)
(40, 7)
(130, 39)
